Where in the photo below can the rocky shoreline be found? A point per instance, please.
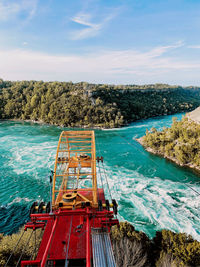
(163, 155)
(179, 143)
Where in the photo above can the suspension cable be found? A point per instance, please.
(104, 171)
(24, 248)
(14, 249)
(107, 181)
(34, 254)
(100, 176)
(70, 229)
(98, 149)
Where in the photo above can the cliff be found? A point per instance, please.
(194, 115)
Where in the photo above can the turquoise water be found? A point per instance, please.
(152, 193)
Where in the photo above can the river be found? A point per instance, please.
(152, 193)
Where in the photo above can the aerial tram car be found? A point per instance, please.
(78, 219)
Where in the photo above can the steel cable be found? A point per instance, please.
(98, 149)
(107, 181)
(66, 261)
(24, 249)
(14, 249)
(101, 176)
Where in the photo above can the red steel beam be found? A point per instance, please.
(88, 249)
(98, 214)
(44, 258)
(27, 263)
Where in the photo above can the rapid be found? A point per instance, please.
(152, 193)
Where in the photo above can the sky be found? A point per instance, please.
(101, 41)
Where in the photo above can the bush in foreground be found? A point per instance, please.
(8, 244)
(167, 249)
(131, 248)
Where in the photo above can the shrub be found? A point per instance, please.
(181, 248)
(9, 242)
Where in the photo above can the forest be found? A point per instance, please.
(92, 105)
(180, 142)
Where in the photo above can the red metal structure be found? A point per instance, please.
(77, 222)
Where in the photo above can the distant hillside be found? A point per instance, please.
(92, 105)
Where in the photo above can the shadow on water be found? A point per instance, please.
(18, 215)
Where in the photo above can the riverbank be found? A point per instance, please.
(40, 122)
(172, 159)
(179, 143)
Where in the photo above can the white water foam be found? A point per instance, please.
(151, 201)
(145, 200)
(20, 200)
(31, 158)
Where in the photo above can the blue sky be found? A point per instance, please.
(108, 41)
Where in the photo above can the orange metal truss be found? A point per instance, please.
(75, 180)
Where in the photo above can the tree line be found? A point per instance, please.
(83, 104)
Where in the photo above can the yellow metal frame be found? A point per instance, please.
(75, 161)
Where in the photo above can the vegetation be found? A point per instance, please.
(133, 248)
(82, 104)
(180, 143)
(178, 249)
(9, 242)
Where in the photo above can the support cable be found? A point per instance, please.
(98, 149)
(101, 168)
(37, 243)
(107, 181)
(106, 176)
(24, 248)
(70, 229)
(100, 176)
(14, 250)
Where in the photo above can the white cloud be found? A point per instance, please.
(158, 51)
(10, 9)
(83, 19)
(122, 66)
(194, 46)
(90, 28)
